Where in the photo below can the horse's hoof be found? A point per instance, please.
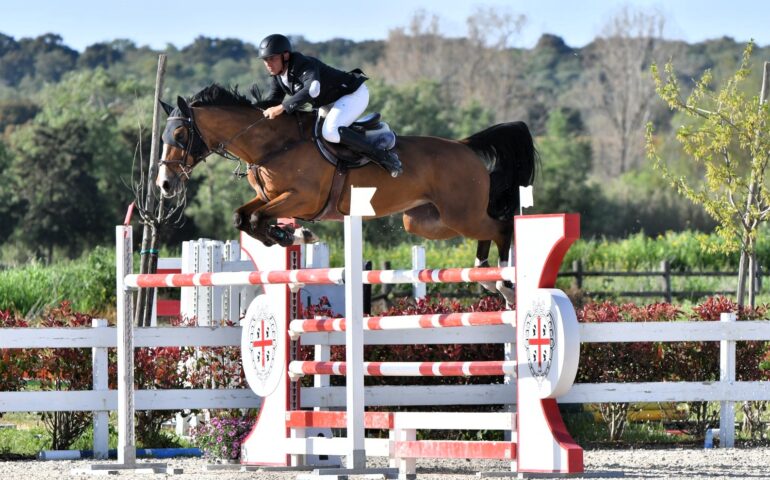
(303, 236)
(281, 236)
(489, 286)
(508, 291)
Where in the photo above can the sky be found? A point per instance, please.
(159, 22)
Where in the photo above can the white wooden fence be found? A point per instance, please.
(101, 400)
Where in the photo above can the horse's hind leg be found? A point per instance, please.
(424, 221)
(482, 260)
(506, 287)
(476, 223)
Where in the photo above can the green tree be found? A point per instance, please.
(57, 193)
(217, 194)
(729, 137)
(562, 184)
(9, 211)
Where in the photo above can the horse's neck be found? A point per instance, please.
(248, 135)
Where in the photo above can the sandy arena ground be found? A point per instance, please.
(751, 463)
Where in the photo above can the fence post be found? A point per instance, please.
(419, 289)
(354, 342)
(124, 266)
(100, 384)
(727, 375)
(666, 269)
(577, 267)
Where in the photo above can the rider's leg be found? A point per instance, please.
(343, 112)
(335, 129)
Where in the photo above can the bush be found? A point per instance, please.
(665, 361)
(221, 437)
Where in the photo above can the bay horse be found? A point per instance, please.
(448, 188)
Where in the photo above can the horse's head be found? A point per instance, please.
(183, 148)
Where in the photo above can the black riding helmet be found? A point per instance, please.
(273, 45)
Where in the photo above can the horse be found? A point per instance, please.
(448, 188)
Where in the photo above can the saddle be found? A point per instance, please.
(377, 133)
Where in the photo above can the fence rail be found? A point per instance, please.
(666, 275)
(101, 400)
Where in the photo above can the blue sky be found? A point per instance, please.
(157, 23)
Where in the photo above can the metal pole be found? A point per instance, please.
(149, 253)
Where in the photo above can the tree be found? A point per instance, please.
(729, 137)
(619, 86)
(476, 68)
(562, 185)
(57, 193)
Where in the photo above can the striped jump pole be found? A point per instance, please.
(318, 276)
(403, 322)
(298, 369)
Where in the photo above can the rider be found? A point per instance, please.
(298, 79)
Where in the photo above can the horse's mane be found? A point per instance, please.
(217, 95)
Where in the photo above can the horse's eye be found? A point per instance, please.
(179, 135)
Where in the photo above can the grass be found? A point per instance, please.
(30, 437)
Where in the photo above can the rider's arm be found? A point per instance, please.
(308, 71)
(274, 96)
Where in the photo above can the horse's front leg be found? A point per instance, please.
(248, 220)
(286, 205)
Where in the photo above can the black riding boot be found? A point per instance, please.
(385, 158)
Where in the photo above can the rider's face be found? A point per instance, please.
(274, 64)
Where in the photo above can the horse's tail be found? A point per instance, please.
(510, 156)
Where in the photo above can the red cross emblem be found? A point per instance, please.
(262, 342)
(539, 341)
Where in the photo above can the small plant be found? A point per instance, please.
(221, 438)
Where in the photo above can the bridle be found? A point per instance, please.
(196, 147)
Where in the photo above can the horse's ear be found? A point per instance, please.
(182, 104)
(166, 107)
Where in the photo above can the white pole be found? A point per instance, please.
(419, 289)
(354, 343)
(124, 266)
(100, 374)
(727, 375)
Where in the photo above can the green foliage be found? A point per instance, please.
(729, 137)
(563, 183)
(217, 194)
(684, 251)
(88, 283)
(23, 443)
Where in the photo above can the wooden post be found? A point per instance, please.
(666, 272)
(126, 442)
(727, 375)
(577, 267)
(149, 253)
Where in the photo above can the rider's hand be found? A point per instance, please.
(273, 112)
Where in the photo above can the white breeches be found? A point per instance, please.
(343, 112)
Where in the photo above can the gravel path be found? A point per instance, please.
(751, 463)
